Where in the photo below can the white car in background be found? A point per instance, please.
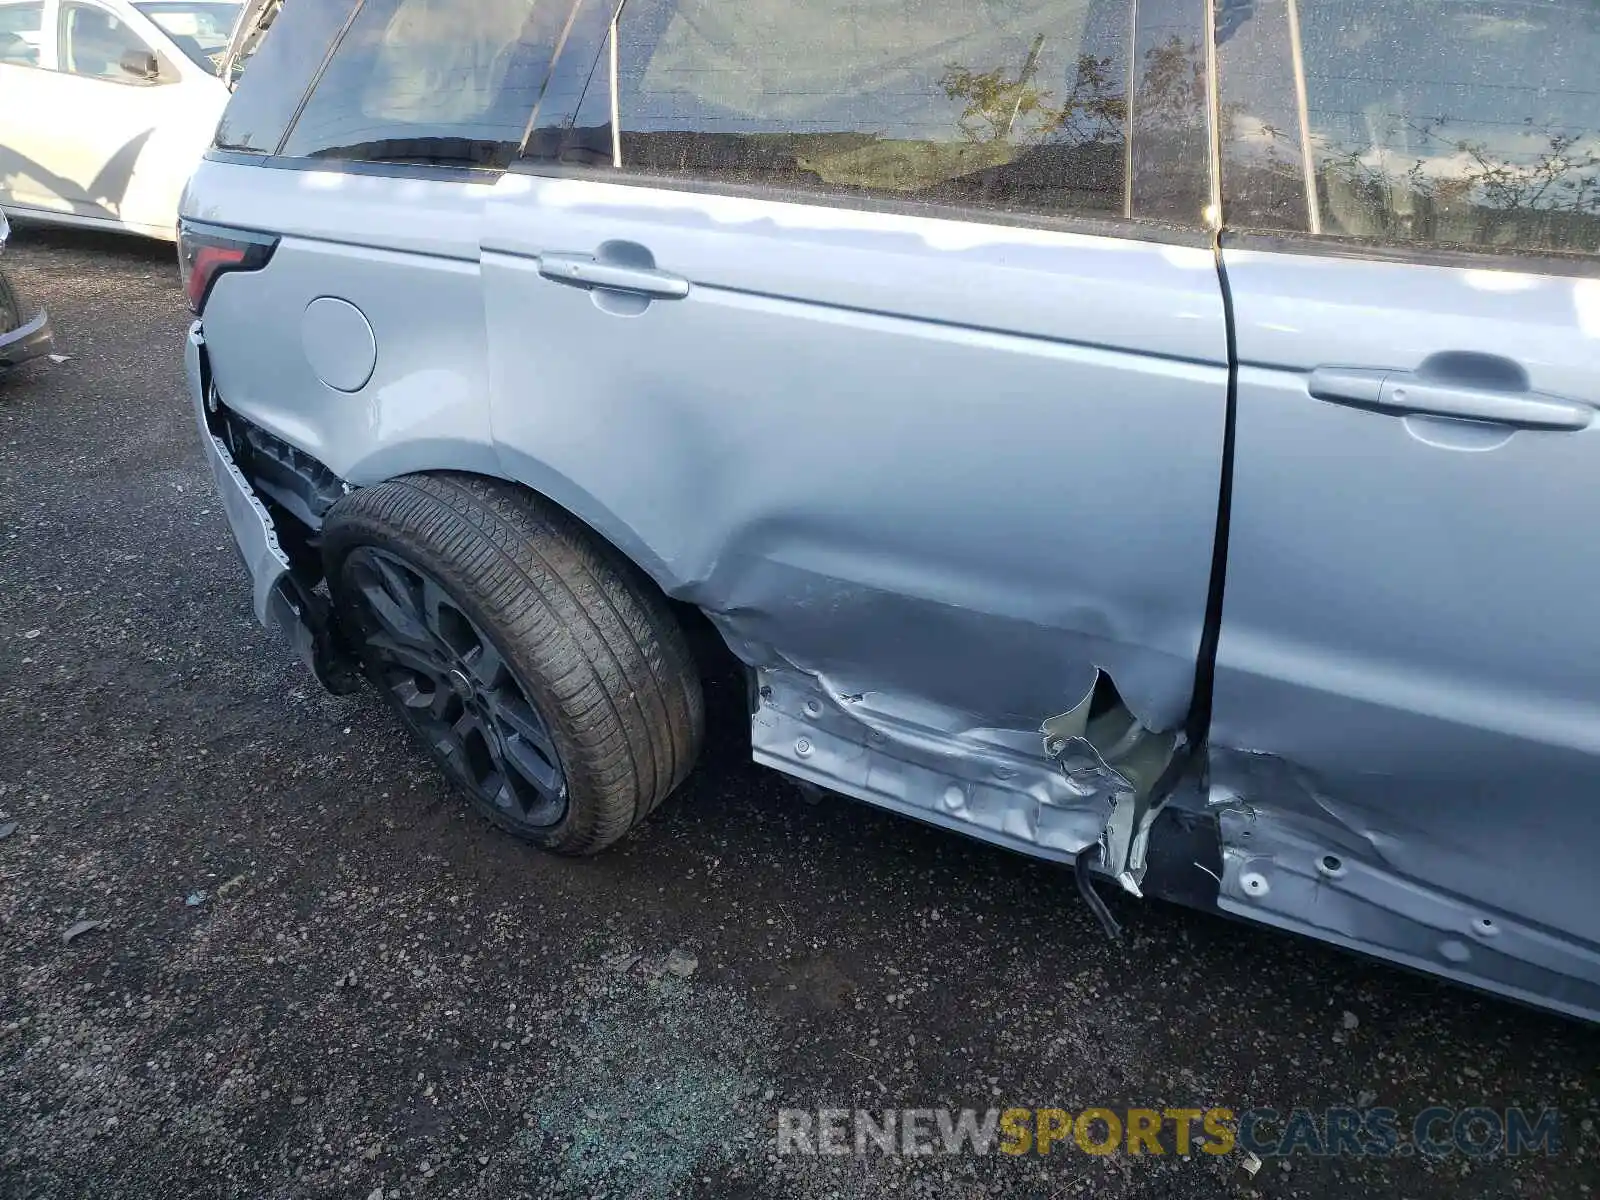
(106, 106)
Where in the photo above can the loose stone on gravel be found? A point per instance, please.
(78, 929)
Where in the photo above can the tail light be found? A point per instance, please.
(207, 251)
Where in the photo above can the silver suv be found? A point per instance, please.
(1154, 435)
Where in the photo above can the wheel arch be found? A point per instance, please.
(471, 458)
(708, 643)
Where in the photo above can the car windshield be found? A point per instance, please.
(200, 28)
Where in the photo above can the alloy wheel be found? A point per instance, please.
(455, 688)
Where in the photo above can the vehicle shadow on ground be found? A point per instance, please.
(127, 249)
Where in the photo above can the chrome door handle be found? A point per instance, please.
(1402, 394)
(586, 271)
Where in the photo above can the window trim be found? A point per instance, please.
(1570, 264)
(441, 173)
(1215, 218)
(296, 100)
(316, 78)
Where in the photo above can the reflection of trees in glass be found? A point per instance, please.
(1453, 188)
(1561, 177)
(1003, 108)
(1000, 106)
(1017, 137)
(1075, 142)
(1171, 150)
(1172, 90)
(996, 103)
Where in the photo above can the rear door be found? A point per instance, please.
(851, 322)
(1408, 683)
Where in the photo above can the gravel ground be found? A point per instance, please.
(319, 975)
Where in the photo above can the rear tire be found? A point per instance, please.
(10, 306)
(544, 673)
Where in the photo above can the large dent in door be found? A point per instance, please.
(945, 638)
(952, 653)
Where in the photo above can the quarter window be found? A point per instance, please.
(1468, 123)
(21, 33)
(287, 55)
(431, 82)
(1013, 105)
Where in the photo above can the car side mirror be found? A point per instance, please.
(141, 64)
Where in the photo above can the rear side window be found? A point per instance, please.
(1465, 123)
(1013, 105)
(285, 61)
(21, 30)
(449, 82)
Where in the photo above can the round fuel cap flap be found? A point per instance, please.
(338, 343)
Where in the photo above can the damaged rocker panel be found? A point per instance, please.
(1092, 781)
(1288, 861)
(1104, 752)
(1101, 780)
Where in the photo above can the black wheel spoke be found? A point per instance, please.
(397, 595)
(517, 718)
(409, 694)
(454, 687)
(400, 624)
(498, 786)
(484, 664)
(437, 609)
(453, 735)
(403, 586)
(505, 797)
(443, 703)
(527, 761)
(421, 660)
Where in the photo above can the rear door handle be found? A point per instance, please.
(1402, 394)
(586, 271)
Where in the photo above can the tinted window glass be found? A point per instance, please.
(20, 34)
(282, 66)
(432, 81)
(199, 28)
(1462, 122)
(1016, 105)
(93, 43)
